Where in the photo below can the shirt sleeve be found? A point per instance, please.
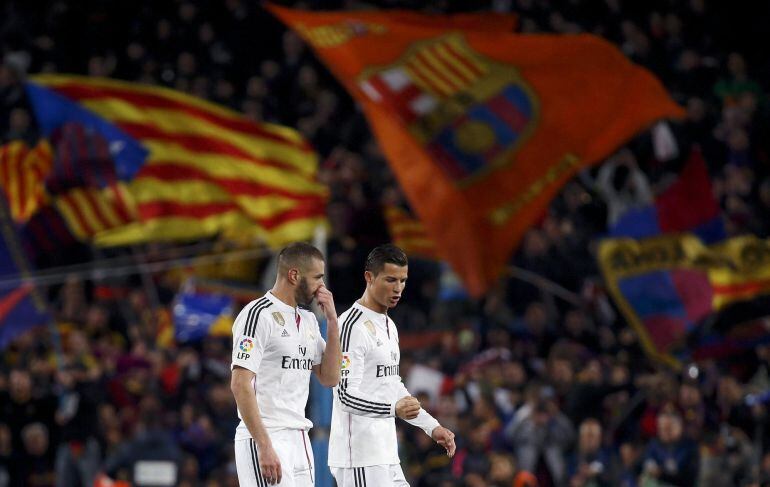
(354, 347)
(251, 332)
(424, 420)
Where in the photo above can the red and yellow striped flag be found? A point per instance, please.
(408, 233)
(22, 177)
(209, 170)
(90, 211)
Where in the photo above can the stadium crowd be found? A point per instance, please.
(539, 390)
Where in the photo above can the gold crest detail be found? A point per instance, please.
(370, 326)
(278, 317)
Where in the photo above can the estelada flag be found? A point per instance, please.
(482, 128)
(194, 169)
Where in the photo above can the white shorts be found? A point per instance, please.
(372, 476)
(293, 450)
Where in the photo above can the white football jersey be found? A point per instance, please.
(363, 429)
(281, 350)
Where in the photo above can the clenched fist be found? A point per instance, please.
(407, 407)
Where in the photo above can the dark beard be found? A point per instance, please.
(302, 295)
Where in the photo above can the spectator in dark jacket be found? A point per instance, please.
(670, 457)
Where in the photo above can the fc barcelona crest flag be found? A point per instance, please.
(468, 112)
(482, 127)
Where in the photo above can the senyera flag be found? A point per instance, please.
(483, 127)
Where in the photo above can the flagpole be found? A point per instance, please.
(544, 284)
(121, 267)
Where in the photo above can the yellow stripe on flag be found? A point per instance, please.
(107, 208)
(78, 196)
(70, 218)
(230, 167)
(265, 206)
(149, 189)
(447, 56)
(180, 123)
(438, 66)
(424, 71)
(172, 228)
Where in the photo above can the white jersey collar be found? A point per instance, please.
(280, 304)
(380, 316)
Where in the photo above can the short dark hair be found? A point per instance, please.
(298, 255)
(385, 254)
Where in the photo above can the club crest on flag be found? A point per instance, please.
(471, 114)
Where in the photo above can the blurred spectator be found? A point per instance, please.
(78, 455)
(540, 432)
(152, 453)
(20, 407)
(726, 459)
(623, 185)
(5, 455)
(630, 465)
(33, 465)
(737, 82)
(591, 464)
(670, 457)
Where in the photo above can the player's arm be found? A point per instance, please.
(241, 385)
(250, 341)
(430, 425)
(355, 346)
(328, 372)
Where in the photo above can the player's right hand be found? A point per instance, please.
(270, 465)
(326, 302)
(407, 407)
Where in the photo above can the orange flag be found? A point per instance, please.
(482, 128)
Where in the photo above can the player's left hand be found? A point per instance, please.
(445, 438)
(326, 302)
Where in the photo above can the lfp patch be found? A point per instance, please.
(246, 344)
(345, 363)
